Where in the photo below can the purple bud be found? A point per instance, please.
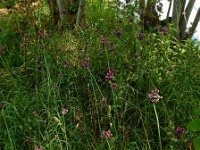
(86, 63)
(179, 131)
(104, 40)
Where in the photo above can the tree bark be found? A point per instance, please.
(184, 17)
(195, 23)
(81, 13)
(54, 12)
(176, 17)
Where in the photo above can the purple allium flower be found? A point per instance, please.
(140, 36)
(165, 30)
(41, 34)
(65, 111)
(104, 40)
(179, 131)
(154, 95)
(118, 32)
(107, 134)
(110, 74)
(86, 63)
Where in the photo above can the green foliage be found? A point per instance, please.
(88, 88)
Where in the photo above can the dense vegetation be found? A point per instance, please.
(109, 84)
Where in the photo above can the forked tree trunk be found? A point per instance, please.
(185, 17)
(69, 12)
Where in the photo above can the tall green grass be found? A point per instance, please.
(51, 97)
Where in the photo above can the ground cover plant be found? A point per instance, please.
(107, 85)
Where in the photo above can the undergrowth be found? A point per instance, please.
(89, 88)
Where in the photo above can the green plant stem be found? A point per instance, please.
(158, 126)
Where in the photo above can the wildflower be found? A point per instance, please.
(179, 131)
(41, 34)
(110, 74)
(165, 30)
(140, 36)
(38, 148)
(107, 134)
(86, 63)
(65, 111)
(154, 95)
(104, 40)
(114, 85)
(118, 32)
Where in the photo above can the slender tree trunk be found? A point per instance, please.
(195, 23)
(184, 17)
(54, 12)
(169, 9)
(81, 13)
(176, 17)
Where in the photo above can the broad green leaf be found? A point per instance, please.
(194, 125)
(197, 112)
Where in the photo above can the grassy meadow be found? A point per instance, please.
(107, 85)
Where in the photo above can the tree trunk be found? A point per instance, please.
(81, 13)
(176, 17)
(54, 12)
(184, 17)
(195, 23)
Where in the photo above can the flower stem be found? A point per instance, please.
(158, 126)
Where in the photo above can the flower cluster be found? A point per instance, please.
(179, 131)
(86, 63)
(154, 95)
(107, 134)
(110, 74)
(104, 40)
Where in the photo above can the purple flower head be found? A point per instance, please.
(110, 74)
(86, 63)
(140, 36)
(179, 131)
(118, 32)
(154, 95)
(165, 30)
(104, 40)
(41, 34)
(107, 134)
